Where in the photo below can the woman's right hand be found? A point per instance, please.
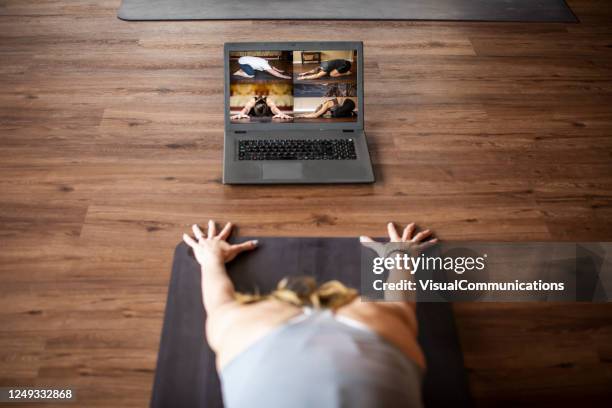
(239, 116)
(213, 248)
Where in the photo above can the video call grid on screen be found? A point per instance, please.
(293, 86)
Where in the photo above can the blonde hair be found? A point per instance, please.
(303, 291)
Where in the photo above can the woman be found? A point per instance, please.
(272, 352)
(248, 66)
(260, 107)
(333, 68)
(334, 108)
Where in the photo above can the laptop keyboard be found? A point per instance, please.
(297, 149)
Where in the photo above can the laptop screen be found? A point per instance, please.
(293, 86)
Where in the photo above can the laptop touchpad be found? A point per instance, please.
(282, 171)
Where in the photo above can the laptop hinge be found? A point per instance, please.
(348, 131)
(239, 131)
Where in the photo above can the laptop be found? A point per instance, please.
(294, 113)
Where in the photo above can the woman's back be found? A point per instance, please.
(319, 360)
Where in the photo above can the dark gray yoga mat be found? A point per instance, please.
(461, 10)
(186, 374)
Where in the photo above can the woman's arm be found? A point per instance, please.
(312, 71)
(318, 75)
(278, 114)
(277, 74)
(230, 326)
(244, 113)
(212, 253)
(336, 74)
(395, 317)
(320, 112)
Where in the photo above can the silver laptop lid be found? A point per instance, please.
(262, 80)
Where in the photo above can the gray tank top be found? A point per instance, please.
(320, 361)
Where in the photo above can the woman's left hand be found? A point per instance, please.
(213, 247)
(415, 243)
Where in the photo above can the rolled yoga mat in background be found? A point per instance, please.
(186, 375)
(457, 10)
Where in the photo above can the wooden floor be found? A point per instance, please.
(111, 145)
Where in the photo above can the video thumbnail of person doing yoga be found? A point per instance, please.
(261, 102)
(274, 86)
(261, 65)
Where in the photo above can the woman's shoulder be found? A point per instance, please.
(239, 325)
(262, 313)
